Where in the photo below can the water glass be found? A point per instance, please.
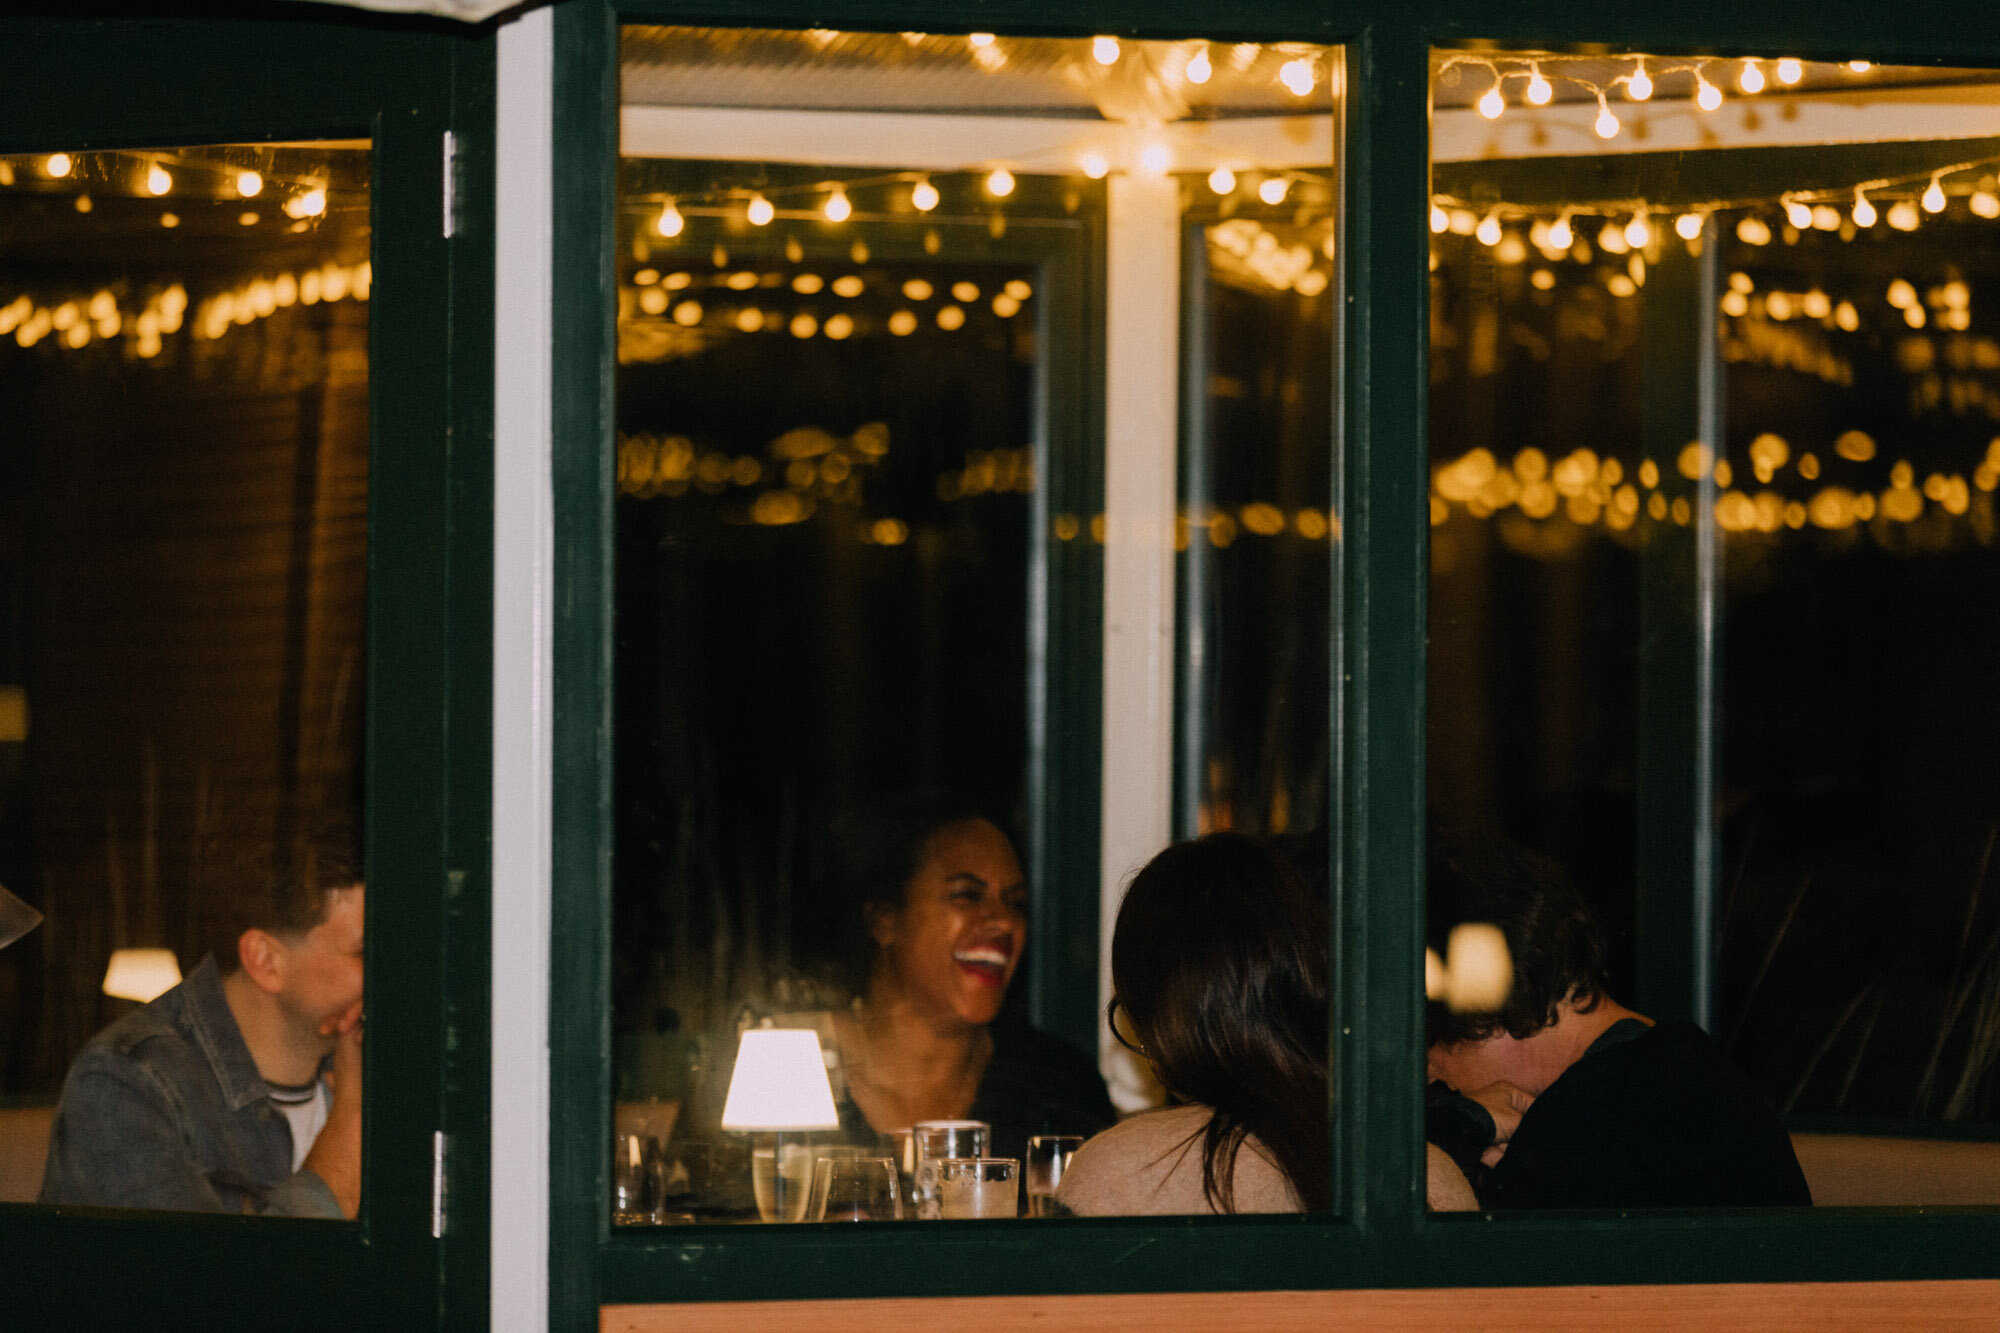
(856, 1189)
(635, 1179)
(834, 1152)
(979, 1187)
(934, 1141)
(1048, 1158)
(789, 1164)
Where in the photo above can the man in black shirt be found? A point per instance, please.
(1568, 1099)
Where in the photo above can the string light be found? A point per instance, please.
(1000, 183)
(58, 165)
(980, 40)
(1640, 86)
(1095, 166)
(1790, 71)
(1753, 231)
(670, 223)
(1751, 80)
(1984, 203)
(1798, 214)
(249, 184)
(1560, 235)
(1104, 50)
(1864, 212)
(1440, 220)
(1154, 159)
(924, 195)
(306, 204)
(1297, 76)
(1540, 91)
(1688, 225)
(760, 211)
(837, 207)
(1706, 95)
(1488, 231)
(1199, 69)
(1903, 215)
(1606, 124)
(158, 180)
(1860, 66)
(1491, 103)
(1933, 199)
(1272, 190)
(1223, 181)
(1638, 232)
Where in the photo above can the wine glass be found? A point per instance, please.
(856, 1189)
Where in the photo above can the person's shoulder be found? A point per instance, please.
(1136, 1166)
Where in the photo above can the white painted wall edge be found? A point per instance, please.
(523, 599)
(1141, 432)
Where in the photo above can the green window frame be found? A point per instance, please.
(1379, 1234)
(291, 72)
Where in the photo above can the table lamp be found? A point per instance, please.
(779, 1087)
(141, 974)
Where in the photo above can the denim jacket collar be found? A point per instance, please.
(213, 1026)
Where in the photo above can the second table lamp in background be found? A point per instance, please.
(780, 1088)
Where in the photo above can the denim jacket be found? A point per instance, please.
(165, 1109)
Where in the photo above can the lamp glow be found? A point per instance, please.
(1638, 231)
(1640, 86)
(1199, 69)
(1606, 124)
(1154, 159)
(1000, 184)
(158, 180)
(1491, 103)
(1560, 235)
(1479, 971)
(1790, 71)
(1297, 76)
(141, 974)
(780, 1084)
(980, 40)
(761, 211)
(1272, 189)
(1864, 212)
(249, 184)
(1751, 80)
(670, 223)
(837, 207)
(1440, 220)
(1706, 95)
(1223, 181)
(58, 165)
(1688, 226)
(1933, 200)
(1540, 91)
(924, 195)
(1104, 50)
(1860, 66)
(1488, 231)
(1798, 214)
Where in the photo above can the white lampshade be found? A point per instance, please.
(141, 974)
(780, 1083)
(1480, 971)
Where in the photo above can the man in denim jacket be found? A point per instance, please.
(239, 1090)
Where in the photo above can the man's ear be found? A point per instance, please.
(882, 926)
(262, 956)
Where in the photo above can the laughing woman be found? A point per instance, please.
(945, 914)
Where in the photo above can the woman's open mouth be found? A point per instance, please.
(984, 963)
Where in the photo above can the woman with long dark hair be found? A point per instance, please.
(1219, 970)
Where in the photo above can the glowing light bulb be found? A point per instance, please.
(1222, 180)
(1751, 80)
(1154, 159)
(837, 207)
(1798, 214)
(58, 165)
(980, 40)
(1297, 76)
(1199, 69)
(249, 184)
(1688, 226)
(1540, 90)
(1560, 235)
(1706, 95)
(1933, 200)
(1606, 124)
(158, 180)
(1984, 203)
(924, 195)
(1491, 103)
(1640, 86)
(670, 223)
(1272, 189)
(1860, 66)
(1095, 166)
(761, 211)
(1104, 50)
(1864, 212)
(1903, 215)
(1488, 231)
(1790, 71)
(1638, 231)
(1440, 220)
(1001, 183)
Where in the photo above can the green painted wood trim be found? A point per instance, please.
(583, 364)
(305, 75)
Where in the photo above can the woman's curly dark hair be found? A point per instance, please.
(1219, 958)
(1553, 937)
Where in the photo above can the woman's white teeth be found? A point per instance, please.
(987, 957)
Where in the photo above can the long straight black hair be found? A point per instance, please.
(1219, 957)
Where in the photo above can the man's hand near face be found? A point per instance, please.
(1506, 1103)
(336, 1153)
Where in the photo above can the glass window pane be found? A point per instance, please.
(1710, 589)
(183, 554)
(866, 285)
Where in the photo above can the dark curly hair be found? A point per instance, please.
(1219, 958)
(1552, 935)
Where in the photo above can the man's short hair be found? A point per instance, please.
(282, 887)
(1553, 937)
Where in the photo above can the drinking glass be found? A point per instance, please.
(635, 1179)
(979, 1187)
(856, 1189)
(794, 1161)
(936, 1140)
(834, 1152)
(1048, 1158)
